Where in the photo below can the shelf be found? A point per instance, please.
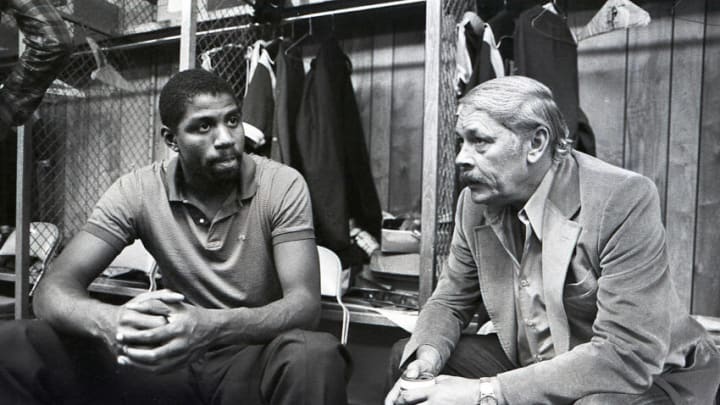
(330, 308)
(103, 285)
(126, 288)
(360, 314)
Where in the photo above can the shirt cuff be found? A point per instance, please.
(293, 236)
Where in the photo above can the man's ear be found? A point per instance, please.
(169, 137)
(539, 144)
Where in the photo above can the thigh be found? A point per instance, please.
(40, 365)
(474, 356)
(296, 361)
(654, 396)
(478, 356)
(35, 367)
(229, 372)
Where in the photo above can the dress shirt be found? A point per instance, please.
(520, 233)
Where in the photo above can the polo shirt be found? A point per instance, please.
(221, 262)
(520, 233)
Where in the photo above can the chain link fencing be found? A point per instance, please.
(95, 123)
(447, 181)
(225, 31)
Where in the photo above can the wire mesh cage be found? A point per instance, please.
(95, 122)
(447, 174)
(225, 31)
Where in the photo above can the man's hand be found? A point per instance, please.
(427, 361)
(448, 390)
(158, 332)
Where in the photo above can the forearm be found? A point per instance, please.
(48, 47)
(67, 306)
(262, 324)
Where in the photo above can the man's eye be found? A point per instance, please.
(233, 121)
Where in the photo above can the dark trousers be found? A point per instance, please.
(40, 366)
(478, 356)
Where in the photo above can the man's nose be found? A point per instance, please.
(224, 137)
(463, 158)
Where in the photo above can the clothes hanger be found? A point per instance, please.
(502, 26)
(105, 72)
(546, 9)
(615, 15)
(205, 57)
(304, 36)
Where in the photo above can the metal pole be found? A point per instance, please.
(22, 215)
(355, 9)
(188, 27)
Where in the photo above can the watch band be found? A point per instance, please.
(487, 393)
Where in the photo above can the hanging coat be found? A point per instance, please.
(545, 50)
(332, 154)
(290, 76)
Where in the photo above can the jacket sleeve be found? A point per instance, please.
(631, 333)
(454, 301)
(47, 50)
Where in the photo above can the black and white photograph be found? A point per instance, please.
(359, 202)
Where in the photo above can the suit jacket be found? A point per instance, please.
(615, 319)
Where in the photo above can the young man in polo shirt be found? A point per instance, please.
(233, 236)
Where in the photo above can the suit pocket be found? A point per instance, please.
(582, 295)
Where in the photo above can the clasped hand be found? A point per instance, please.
(448, 390)
(157, 331)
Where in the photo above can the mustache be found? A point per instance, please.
(225, 157)
(469, 177)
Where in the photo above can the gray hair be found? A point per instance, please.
(522, 105)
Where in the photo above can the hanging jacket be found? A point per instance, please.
(545, 50)
(332, 154)
(290, 76)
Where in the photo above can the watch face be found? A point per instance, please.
(487, 394)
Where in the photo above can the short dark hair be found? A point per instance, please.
(182, 88)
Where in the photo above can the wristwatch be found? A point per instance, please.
(487, 393)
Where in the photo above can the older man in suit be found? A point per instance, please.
(565, 256)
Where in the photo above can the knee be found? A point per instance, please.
(590, 400)
(310, 348)
(603, 399)
(25, 333)
(397, 351)
(393, 370)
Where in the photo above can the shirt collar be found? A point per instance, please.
(535, 206)
(247, 187)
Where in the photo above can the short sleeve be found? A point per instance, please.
(291, 209)
(114, 217)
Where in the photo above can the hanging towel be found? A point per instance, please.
(259, 103)
(478, 59)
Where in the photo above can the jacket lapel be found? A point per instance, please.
(496, 285)
(560, 235)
